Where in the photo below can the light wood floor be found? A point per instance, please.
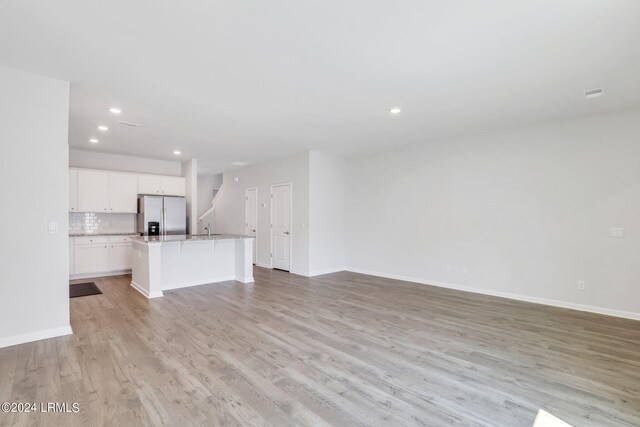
(342, 349)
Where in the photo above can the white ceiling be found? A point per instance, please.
(252, 80)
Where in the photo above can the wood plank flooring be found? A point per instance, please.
(343, 349)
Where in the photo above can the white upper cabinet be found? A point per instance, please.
(173, 186)
(123, 192)
(73, 190)
(93, 191)
(117, 192)
(150, 184)
(161, 185)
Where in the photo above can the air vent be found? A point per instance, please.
(131, 125)
(593, 93)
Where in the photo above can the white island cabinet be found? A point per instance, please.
(161, 263)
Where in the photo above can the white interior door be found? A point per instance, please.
(251, 216)
(281, 226)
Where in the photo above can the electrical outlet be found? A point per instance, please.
(581, 285)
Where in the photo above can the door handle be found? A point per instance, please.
(286, 232)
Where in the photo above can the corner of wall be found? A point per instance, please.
(189, 171)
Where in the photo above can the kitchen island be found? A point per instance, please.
(168, 262)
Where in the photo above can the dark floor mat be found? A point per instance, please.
(83, 290)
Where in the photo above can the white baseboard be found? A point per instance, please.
(299, 273)
(326, 271)
(158, 294)
(35, 336)
(97, 275)
(317, 272)
(509, 295)
(144, 292)
(199, 282)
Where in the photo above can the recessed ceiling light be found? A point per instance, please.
(177, 152)
(239, 163)
(593, 93)
(93, 141)
(395, 110)
(115, 110)
(103, 128)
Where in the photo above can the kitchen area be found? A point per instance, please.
(103, 211)
(133, 223)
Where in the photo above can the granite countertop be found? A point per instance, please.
(188, 238)
(103, 234)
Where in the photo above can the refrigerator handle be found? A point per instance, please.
(164, 220)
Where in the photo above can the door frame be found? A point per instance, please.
(255, 240)
(271, 239)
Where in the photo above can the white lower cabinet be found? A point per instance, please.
(98, 255)
(121, 256)
(92, 258)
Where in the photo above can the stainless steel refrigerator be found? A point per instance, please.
(169, 212)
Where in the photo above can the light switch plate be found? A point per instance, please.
(53, 228)
(617, 232)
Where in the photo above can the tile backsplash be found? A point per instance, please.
(96, 223)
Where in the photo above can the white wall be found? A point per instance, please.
(327, 212)
(230, 209)
(206, 185)
(116, 162)
(190, 173)
(34, 292)
(524, 213)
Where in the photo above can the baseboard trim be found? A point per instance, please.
(306, 273)
(518, 297)
(199, 282)
(35, 336)
(327, 271)
(97, 275)
(299, 273)
(144, 292)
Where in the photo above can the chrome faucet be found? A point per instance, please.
(208, 228)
